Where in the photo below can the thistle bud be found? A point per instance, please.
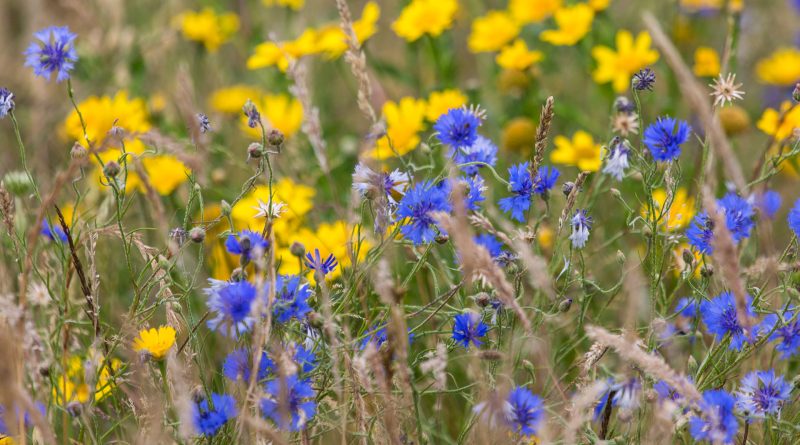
(255, 150)
(275, 138)
(111, 169)
(197, 234)
(297, 249)
(78, 152)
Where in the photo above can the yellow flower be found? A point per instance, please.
(574, 22)
(706, 62)
(99, 114)
(517, 56)
(155, 342)
(599, 5)
(165, 173)
(230, 99)
(292, 4)
(7, 440)
(280, 111)
(700, 5)
(680, 262)
(72, 386)
(532, 11)
(157, 102)
(545, 236)
(582, 151)
(404, 121)
(782, 68)
(335, 239)
(298, 198)
(280, 54)
(421, 17)
(772, 124)
(492, 32)
(631, 56)
(207, 27)
(680, 212)
(439, 102)
(331, 40)
(519, 134)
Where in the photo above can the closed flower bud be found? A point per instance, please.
(620, 257)
(74, 409)
(18, 183)
(615, 193)
(255, 150)
(482, 299)
(238, 274)
(297, 249)
(275, 138)
(566, 189)
(314, 319)
(78, 152)
(734, 119)
(197, 234)
(565, 304)
(225, 208)
(688, 257)
(691, 366)
(796, 93)
(707, 271)
(111, 169)
(442, 238)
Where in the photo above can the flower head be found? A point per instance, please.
(717, 423)
(291, 299)
(418, 205)
(482, 150)
(203, 123)
(721, 319)
(701, 233)
(794, 218)
(207, 419)
(208, 27)
(246, 244)
(664, 138)
(739, 215)
(289, 402)
(581, 224)
(788, 333)
(492, 32)
(525, 411)
(378, 335)
(631, 55)
(581, 151)
(492, 245)
(517, 56)
(686, 307)
(318, 264)
(238, 364)
(762, 393)
(156, 342)
(420, 17)
(469, 328)
(644, 79)
(617, 160)
(725, 89)
(781, 68)
(769, 203)
(474, 196)
(54, 53)
(6, 102)
(574, 22)
(230, 305)
(53, 233)
(680, 212)
(706, 62)
(521, 189)
(457, 128)
(251, 113)
(545, 179)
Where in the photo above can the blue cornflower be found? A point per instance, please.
(769, 203)
(26, 417)
(203, 123)
(581, 225)
(482, 150)
(251, 111)
(468, 328)
(762, 393)
(686, 307)
(6, 102)
(316, 263)
(53, 233)
(644, 79)
(666, 392)
(717, 423)
(701, 232)
(738, 215)
(457, 128)
(492, 244)
(305, 358)
(378, 335)
(230, 305)
(719, 315)
(525, 411)
(794, 218)
(475, 189)
(54, 53)
(545, 179)
(624, 395)
(248, 242)
(208, 420)
(789, 334)
(664, 138)
(238, 364)
(289, 402)
(521, 189)
(291, 299)
(418, 205)
(617, 160)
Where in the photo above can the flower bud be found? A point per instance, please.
(111, 169)
(482, 299)
(442, 238)
(567, 188)
(297, 249)
(707, 271)
(255, 150)
(18, 183)
(796, 93)
(178, 235)
(197, 234)
(238, 274)
(78, 152)
(225, 208)
(688, 257)
(620, 257)
(565, 304)
(275, 137)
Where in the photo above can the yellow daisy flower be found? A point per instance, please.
(208, 27)
(156, 342)
(404, 121)
(617, 67)
(165, 172)
(582, 151)
(781, 68)
(439, 102)
(230, 99)
(492, 32)
(331, 39)
(772, 124)
(706, 62)
(279, 111)
(421, 17)
(680, 212)
(291, 4)
(574, 22)
(517, 56)
(99, 114)
(532, 11)
(599, 5)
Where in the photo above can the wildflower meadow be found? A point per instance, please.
(399, 222)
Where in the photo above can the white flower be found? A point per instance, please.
(726, 89)
(617, 161)
(264, 211)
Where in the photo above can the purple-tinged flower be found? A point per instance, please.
(581, 225)
(525, 411)
(475, 189)
(721, 319)
(521, 188)
(545, 179)
(238, 364)
(316, 263)
(418, 206)
(716, 423)
(372, 184)
(6, 102)
(469, 328)
(644, 79)
(664, 138)
(701, 232)
(247, 244)
(788, 334)
(794, 218)
(53, 233)
(304, 358)
(762, 394)
(738, 215)
(686, 307)
(54, 53)
(665, 392)
(253, 116)
(291, 299)
(26, 418)
(207, 419)
(482, 150)
(617, 161)
(457, 127)
(230, 305)
(769, 203)
(289, 402)
(378, 335)
(203, 123)
(624, 395)
(492, 244)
